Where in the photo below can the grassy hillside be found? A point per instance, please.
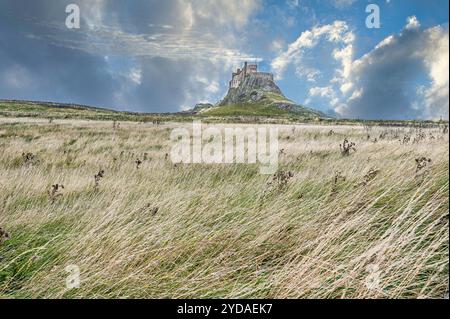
(72, 111)
(41, 109)
(68, 111)
(268, 104)
(262, 109)
(368, 225)
(252, 113)
(254, 109)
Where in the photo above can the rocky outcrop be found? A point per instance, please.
(254, 93)
(259, 88)
(252, 89)
(202, 106)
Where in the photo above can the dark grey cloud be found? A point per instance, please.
(34, 69)
(148, 55)
(162, 78)
(145, 15)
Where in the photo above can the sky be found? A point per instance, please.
(167, 56)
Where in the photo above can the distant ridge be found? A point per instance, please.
(246, 113)
(57, 104)
(56, 110)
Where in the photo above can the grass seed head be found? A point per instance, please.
(281, 178)
(138, 163)
(346, 147)
(371, 174)
(55, 192)
(29, 159)
(421, 163)
(98, 177)
(3, 235)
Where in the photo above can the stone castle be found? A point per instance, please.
(248, 69)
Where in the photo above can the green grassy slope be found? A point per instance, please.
(270, 104)
(253, 109)
(248, 111)
(71, 111)
(237, 113)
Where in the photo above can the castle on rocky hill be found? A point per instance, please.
(248, 69)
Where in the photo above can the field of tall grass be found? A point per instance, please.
(368, 223)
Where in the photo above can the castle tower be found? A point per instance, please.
(239, 76)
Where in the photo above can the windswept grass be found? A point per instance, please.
(367, 224)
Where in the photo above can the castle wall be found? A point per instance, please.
(252, 69)
(265, 75)
(237, 79)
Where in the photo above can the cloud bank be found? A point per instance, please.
(382, 83)
(153, 56)
(385, 83)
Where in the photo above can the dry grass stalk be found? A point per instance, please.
(421, 163)
(55, 192)
(346, 147)
(98, 177)
(3, 235)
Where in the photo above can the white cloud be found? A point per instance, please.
(135, 76)
(345, 56)
(385, 42)
(211, 86)
(92, 11)
(356, 94)
(324, 92)
(310, 74)
(413, 23)
(277, 45)
(226, 12)
(293, 3)
(346, 87)
(337, 33)
(342, 3)
(436, 59)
